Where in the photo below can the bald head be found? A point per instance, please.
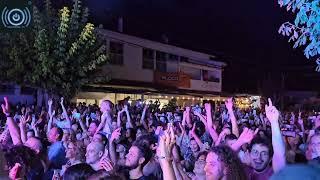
(95, 151)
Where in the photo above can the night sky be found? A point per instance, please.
(242, 33)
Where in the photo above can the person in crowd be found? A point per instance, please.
(75, 153)
(138, 156)
(223, 163)
(143, 141)
(94, 154)
(78, 171)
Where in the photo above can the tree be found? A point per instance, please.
(60, 54)
(305, 31)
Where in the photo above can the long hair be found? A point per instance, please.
(80, 150)
(230, 160)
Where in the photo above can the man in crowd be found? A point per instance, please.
(94, 154)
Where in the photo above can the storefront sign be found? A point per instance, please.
(172, 79)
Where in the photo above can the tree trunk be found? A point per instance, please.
(42, 97)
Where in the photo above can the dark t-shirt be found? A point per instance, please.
(125, 172)
(254, 175)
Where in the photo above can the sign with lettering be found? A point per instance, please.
(175, 79)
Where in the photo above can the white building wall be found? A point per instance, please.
(132, 66)
(133, 57)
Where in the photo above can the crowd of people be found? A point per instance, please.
(141, 141)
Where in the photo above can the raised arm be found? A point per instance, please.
(36, 130)
(213, 133)
(184, 118)
(50, 107)
(23, 128)
(202, 118)
(112, 149)
(183, 132)
(188, 119)
(300, 121)
(102, 123)
(82, 125)
(195, 136)
(279, 158)
(119, 118)
(143, 116)
(50, 122)
(164, 153)
(64, 111)
(13, 127)
(235, 128)
(128, 116)
(246, 137)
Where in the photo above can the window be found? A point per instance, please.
(173, 57)
(116, 53)
(161, 61)
(210, 76)
(194, 73)
(173, 63)
(148, 59)
(184, 59)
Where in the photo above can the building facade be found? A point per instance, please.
(149, 70)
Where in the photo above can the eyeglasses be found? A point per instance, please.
(263, 154)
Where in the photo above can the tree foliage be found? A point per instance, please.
(305, 30)
(60, 54)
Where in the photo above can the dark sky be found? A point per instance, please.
(242, 33)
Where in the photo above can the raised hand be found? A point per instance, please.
(247, 135)
(271, 112)
(15, 171)
(183, 130)
(122, 110)
(125, 108)
(23, 120)
(106, 164)
(172, 134)
(193, 130)
(207, 107)
(50, 102)
(187, 109)
(164, 150)
(229, 104)
(158, 130)
(115, 134)
(300, 121)
(300, 113)
(61, 100)
(23, 110)
(4, 135)
(5, 107)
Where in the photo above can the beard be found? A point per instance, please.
(133, 166)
